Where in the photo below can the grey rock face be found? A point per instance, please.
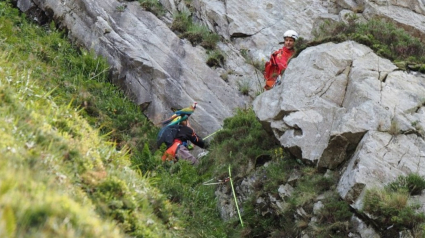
(156, 68)
(341, 102)
(160, 71)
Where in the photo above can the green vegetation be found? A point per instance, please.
(121, 8)
(258, 64)
(244, 86)
(215, 58)
(390, 207)
(59, 177)
(153, 6)
(182, 21)
(412, 183)
(385, 38)
(197, 34)
(241, 141)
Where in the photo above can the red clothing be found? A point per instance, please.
(177, 150)
(278, 62)
(170, 153)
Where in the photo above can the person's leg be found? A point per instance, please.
(183, 153)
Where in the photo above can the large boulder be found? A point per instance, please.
(341, 102)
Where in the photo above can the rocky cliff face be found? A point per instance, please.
(160, 71)
(339, 104)
(350, 105)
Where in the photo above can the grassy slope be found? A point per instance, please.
(59, 177)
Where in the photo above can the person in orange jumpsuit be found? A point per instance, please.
(279, 59)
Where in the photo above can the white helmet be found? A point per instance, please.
(290, 33)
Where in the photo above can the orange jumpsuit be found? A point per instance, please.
(273, 68)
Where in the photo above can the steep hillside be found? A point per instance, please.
(58, 176)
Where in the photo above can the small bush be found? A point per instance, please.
(334, 210)
(241, 140)
(215, 58)
(153, 6)
(414, 183)
(391, 208)
(197, 34)
(300, 45)
(209, 40)
(422, 68)
(244, 86)
(181, 22)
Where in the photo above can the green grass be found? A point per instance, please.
(66, 173)
(153, 6)
(78, 77)
(182, 21)
(240, 142)
(61, 177)
(215, 58)
(390, 207)
(244, 86)
(258, 64)
(196, 33)
(413, 183)
(384, 37)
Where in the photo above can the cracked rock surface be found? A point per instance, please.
(342, 103)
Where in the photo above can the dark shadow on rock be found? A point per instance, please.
(261, 160)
